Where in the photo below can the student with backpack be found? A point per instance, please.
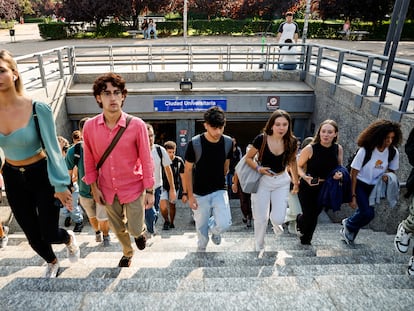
(380, 140)
(167, 205)
(207, 160)
(97, 215)
(406, 227)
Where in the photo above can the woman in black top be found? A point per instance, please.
(279, 152)
(315, 163)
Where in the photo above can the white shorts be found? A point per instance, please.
(93, 210)
(165, 195)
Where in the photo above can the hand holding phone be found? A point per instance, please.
(271, 172)
(314, 181)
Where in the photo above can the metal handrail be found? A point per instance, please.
(344, 67)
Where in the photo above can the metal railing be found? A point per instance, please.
(346, 67)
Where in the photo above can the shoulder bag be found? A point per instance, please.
(249, 178)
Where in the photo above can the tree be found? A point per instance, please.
(94, 10)
(8, 9)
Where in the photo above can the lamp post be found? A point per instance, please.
(306, 21)
(185, 22)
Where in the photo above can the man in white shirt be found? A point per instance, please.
(288, 29)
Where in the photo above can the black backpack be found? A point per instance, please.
(77, 153)
(368, 153)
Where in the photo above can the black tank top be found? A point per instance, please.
(323, 160)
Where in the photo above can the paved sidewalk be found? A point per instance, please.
(28, 41)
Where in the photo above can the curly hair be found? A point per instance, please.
(115, 79)
(374, 135)
(290, 142)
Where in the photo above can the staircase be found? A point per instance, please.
(170, 275)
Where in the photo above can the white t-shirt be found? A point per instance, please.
(287, 31)
(290, 57)
(375, 167)
(166, 161)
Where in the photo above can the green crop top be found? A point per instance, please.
(24, 143)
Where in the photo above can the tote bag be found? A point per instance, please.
(249, 178)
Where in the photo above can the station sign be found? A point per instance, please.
(188, 104)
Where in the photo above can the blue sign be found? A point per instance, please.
(188, 104)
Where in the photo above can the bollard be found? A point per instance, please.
(12, 33)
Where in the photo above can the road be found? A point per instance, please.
(28, 40)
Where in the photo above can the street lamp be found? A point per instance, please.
(185, 22)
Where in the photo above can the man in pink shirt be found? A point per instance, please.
(125, 181)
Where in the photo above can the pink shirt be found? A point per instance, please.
(129, 168)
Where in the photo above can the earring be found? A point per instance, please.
(14, 78)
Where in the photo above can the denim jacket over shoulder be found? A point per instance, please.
(334, 192)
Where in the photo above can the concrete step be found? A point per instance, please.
(333, 299)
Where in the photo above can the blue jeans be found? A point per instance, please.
(286, 66)
(364, 213)
(76, 214)
(151, 214)
(215, 204)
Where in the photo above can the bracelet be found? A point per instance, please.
(258, 168)
(354, 195)
(184, 193)
(149, 191)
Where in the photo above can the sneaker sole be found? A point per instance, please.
(398, 246)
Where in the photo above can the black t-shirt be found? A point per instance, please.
(177, 168)
(208, 174)
(323, 160)
(275, 162)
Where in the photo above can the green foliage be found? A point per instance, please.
(111, 30)
(53, 31)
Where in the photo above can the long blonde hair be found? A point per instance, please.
(7, 57)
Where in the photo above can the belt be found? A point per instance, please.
(24, 168)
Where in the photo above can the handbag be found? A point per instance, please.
(249, 178)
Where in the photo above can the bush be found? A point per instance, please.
(53, 31)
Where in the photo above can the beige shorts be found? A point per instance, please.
(92, 209)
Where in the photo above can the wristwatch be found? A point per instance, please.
(149, 191)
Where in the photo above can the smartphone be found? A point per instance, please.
(271, 172)
(315, 181)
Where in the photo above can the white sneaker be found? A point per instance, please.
(411, 266)
(402, 239)
(73, 250)
(5, 239)
(52, 270)
(261, 254)
(346, 235)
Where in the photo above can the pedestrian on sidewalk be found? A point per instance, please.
(405, 229)
(377, 156)
(123, 180)
(279, 153)
(76, 214)
(167, 204)
(206, 165)
(162, 167)
(96, 212)
(316, 161)
(34, 172)
(288, 29)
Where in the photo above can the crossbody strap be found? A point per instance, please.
(113, 143)
(36, 121)
(262, 148)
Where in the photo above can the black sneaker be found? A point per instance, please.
(166, 226)
(125, 262)
(172, 226)
(68, 222)
(78, 227)
(141, 242)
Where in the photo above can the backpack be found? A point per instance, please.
(196, 140)
(77, 153)
(368, 153)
